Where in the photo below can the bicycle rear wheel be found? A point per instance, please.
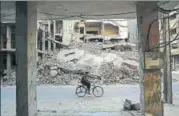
(98, 91)
(81, 91)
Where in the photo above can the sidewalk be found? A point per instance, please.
(171, 110)
(91, 114)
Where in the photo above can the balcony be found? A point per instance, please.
(7, 50)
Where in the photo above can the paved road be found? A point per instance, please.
(62, 101)
(68, 92)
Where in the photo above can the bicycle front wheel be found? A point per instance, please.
(98, 91)
(81, 91)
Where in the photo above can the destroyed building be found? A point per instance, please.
(53, 36)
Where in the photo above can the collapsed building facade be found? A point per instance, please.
(54, 34)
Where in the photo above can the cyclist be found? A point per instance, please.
(86, 82)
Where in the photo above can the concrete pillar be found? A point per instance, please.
(54, 28)
(8, 31)
(8, 46)
(49, 46)
(173, 64)
(167, 65)
(177, 29)
(43, 43)
(26, 27)
(177, 62)
(54, 32)
(84, 28)
(37, 44)
(54, 46)
(1, 56)
(8, 64)
(102, 29)
(150, 96)
(1, 42)
(49, 30)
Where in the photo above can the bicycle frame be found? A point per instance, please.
(92, 88)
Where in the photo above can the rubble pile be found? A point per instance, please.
(127, 54)
(67, 66)
(91, 47)
(112, 74)
(10, 80)
(52, 71)
(125, 47)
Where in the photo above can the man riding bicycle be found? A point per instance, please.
(86, 82)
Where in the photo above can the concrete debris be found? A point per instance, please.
(53, 73)
(119, 46)
(66, 66)
(128, 105)
(53, 67)
(94, 48)
(123, 47)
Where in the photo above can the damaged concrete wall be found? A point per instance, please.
(110, 30)
(68, 30)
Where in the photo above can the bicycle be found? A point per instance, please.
(81, 90)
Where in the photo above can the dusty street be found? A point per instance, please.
(62, 101)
